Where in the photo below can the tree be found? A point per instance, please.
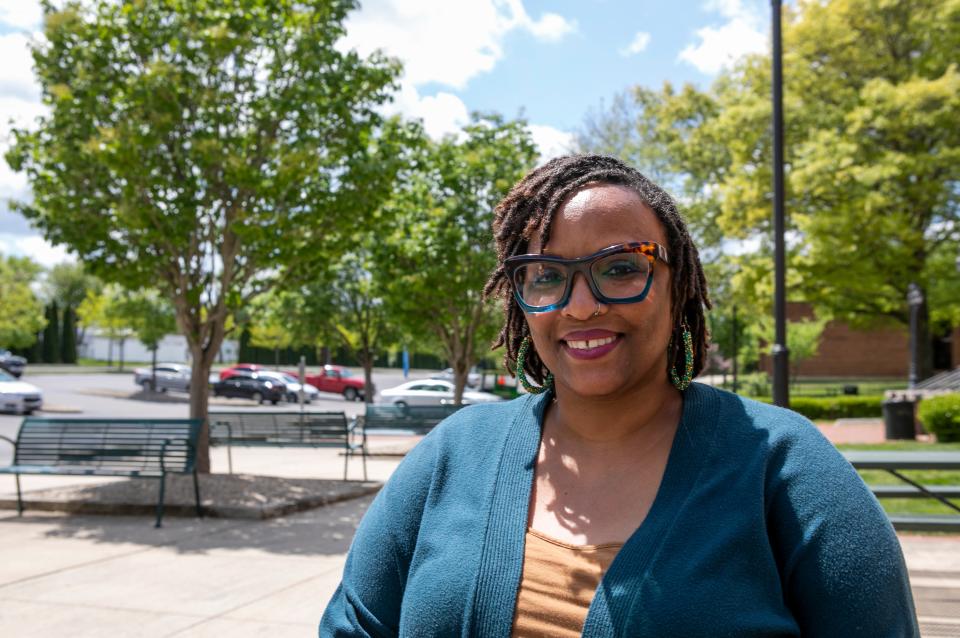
(872, 110)
(204, 148)
(150, 317)
(106, 310)
(51, 334)
(269, 327)
(439, 251)
(68, 283)
(21, 313)
(68, 336)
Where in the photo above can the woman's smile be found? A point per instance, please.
(590, 344)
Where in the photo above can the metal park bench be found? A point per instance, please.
(288, 429)
(418, 419)
(894, 462)
(137, 448)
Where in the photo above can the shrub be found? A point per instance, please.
(940, 415)
(838, 407)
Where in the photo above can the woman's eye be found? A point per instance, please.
(547, 277)
(621, 269)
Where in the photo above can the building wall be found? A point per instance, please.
(172, 349)
(845, 352)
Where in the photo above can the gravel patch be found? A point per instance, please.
(244, 496)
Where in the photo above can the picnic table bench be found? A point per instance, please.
(419, 419)
(289, 429)
(894, 462)
(136, 448)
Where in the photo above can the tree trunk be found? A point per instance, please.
(199, 402)
(110, 352)
(153, 369)
(366, 359)
(276, 358)
(120, 362)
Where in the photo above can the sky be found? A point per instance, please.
(548, 61)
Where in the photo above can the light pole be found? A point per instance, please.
(781, 356)
(914, 301)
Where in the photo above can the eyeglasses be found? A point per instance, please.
(619, 274)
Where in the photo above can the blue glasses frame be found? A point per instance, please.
(653, 251)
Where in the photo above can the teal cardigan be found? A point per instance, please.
(759, 528)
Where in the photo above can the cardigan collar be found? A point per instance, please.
(501, 562)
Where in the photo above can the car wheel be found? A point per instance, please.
(350, 394)
(274, 401)
(404, 409)
(257, 397)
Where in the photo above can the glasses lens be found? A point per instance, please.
(621, 275)
(540, 283)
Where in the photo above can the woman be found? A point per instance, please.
(617, 498)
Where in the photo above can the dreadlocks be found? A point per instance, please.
(530, 206)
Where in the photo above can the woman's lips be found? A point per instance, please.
(590, 344)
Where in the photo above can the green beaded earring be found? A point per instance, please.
(682, 383)
(522, 376)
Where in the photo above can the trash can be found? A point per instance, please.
(898, 419)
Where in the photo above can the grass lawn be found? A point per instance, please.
(924, 477)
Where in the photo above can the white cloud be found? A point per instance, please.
(721, 46)
(442, 113)
(637, 45)
(16, 73)
(20, 14)
(446, 42)
(550, 141)
(36, 248)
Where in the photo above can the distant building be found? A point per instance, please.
(877, 352)
(172, 349)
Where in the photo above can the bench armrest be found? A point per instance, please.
(9, 440)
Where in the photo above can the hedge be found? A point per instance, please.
(839, 407)
(940, 415)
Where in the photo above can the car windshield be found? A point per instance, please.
(6, 377)
(289, 379)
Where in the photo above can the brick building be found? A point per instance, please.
(878, 352)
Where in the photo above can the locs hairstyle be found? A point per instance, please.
(530, 207)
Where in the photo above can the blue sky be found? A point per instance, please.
(551, 61)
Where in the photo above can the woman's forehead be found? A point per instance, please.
(598, 216)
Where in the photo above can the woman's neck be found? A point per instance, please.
(641, 414)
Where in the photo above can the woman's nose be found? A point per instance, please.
(582, 303)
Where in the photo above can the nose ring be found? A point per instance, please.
(596, 313)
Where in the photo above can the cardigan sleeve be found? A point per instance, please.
(368, 599)
(840, 562)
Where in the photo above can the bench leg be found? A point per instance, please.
(363, 453)
(163, 485)
(346, 460)
(196, 493)
(19, 497)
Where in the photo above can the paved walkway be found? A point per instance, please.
(116, 575)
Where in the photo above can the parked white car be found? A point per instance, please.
(474, 376)
(18, 396)
(430, 392)
(170, 376)
(310, 393)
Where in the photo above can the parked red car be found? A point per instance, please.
(336, 379)
(249, 368)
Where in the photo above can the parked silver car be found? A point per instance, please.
(170, 376)
(430, 392)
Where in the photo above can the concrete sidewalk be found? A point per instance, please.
(117, 575)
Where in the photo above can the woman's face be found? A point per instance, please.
(593, 218)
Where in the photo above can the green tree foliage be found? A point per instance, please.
(68, 336)
(149, 316)
(106, 311)
(872, 113)
(51, 334)
(439, 247)
(21, 313)
(269, 326)
(204, 148)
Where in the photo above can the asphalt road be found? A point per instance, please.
(116, 395)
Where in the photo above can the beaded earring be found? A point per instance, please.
(522, 376)
(682, 383)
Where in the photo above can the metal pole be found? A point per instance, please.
(781, 356)
(914, 301)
